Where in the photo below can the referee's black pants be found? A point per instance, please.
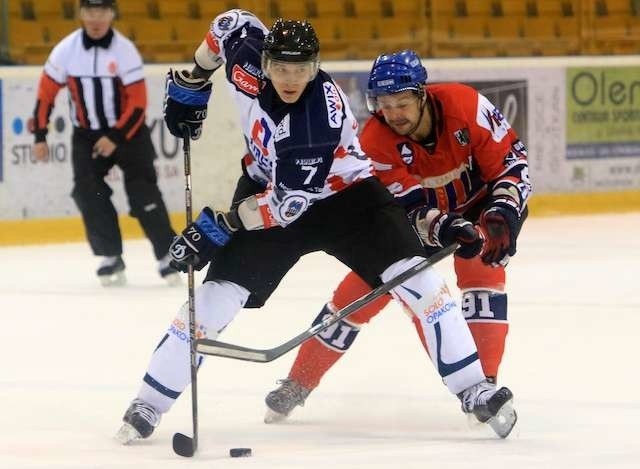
(92, 194)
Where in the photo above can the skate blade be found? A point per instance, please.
(127, 434)
(505, 419)
(173, 280)
(274, 417)
(114, 280)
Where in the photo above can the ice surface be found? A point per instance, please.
(72, 354)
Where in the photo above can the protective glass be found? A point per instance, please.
(290, 71)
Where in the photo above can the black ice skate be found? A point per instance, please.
(171, 275)
(491, 406)
(140, 420)
(111, 271)
(281, 401)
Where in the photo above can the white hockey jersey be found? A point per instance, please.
(300, 152)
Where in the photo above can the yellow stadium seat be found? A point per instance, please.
(356, 29)
(479, 7)
(24, 33)
(148, 30)
(506, 28)
(472, 29)
(190, 31)
(325, 28)
(368, 8)
(290, 9)
(442, 9)
(132, 10)
(611, 27)
(209, 9)
(618, 7)
(60, 28)
(45, 9)
(540, 28)
(513, 8)
(548, 8)
(402, 33)
(410, 7)
(332, 9)
(170, 9)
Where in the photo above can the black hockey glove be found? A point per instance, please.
(185, 103)
(441, 229)
(500, 223)
(200, 240)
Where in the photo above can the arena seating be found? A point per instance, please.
(169, 30)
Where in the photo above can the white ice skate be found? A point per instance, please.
(111, 272)
(491, 406)
(140, 420)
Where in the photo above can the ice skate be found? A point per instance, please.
(491, 406)
(281, 401)
(111, 272)
(140, 420)
(168, 273)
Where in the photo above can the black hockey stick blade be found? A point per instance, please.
(223, 349)
(183, 445)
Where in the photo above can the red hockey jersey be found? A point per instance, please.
(471, 149)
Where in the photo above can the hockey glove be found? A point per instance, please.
(500, 223)
(199, 241)
(441, 229)
(185, 103)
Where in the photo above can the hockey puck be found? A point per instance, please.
(240, 452)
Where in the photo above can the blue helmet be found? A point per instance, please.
(393, 73)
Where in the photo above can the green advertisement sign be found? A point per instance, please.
(603, 112)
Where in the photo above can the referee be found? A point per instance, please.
(102, 70)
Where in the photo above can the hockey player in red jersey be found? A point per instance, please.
(445, 152)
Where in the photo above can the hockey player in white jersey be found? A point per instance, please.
(306, 186)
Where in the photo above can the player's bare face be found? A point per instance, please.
(401, 111)
(290, 78)
(96, 21)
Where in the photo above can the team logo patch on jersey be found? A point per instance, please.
(292, 207)
(244, 80)
(406, 152)
(334, 104)
(226, 23)
(462, 136)
(282, 131)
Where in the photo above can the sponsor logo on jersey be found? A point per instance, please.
(252, 69)
(282, 131)
(244, 80)
(462, 136)
(292, 207)
(406, 152)
(334, 104)
(308, 161)
(258, 144)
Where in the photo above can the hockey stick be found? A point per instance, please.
(222, 349)
(182, 444)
